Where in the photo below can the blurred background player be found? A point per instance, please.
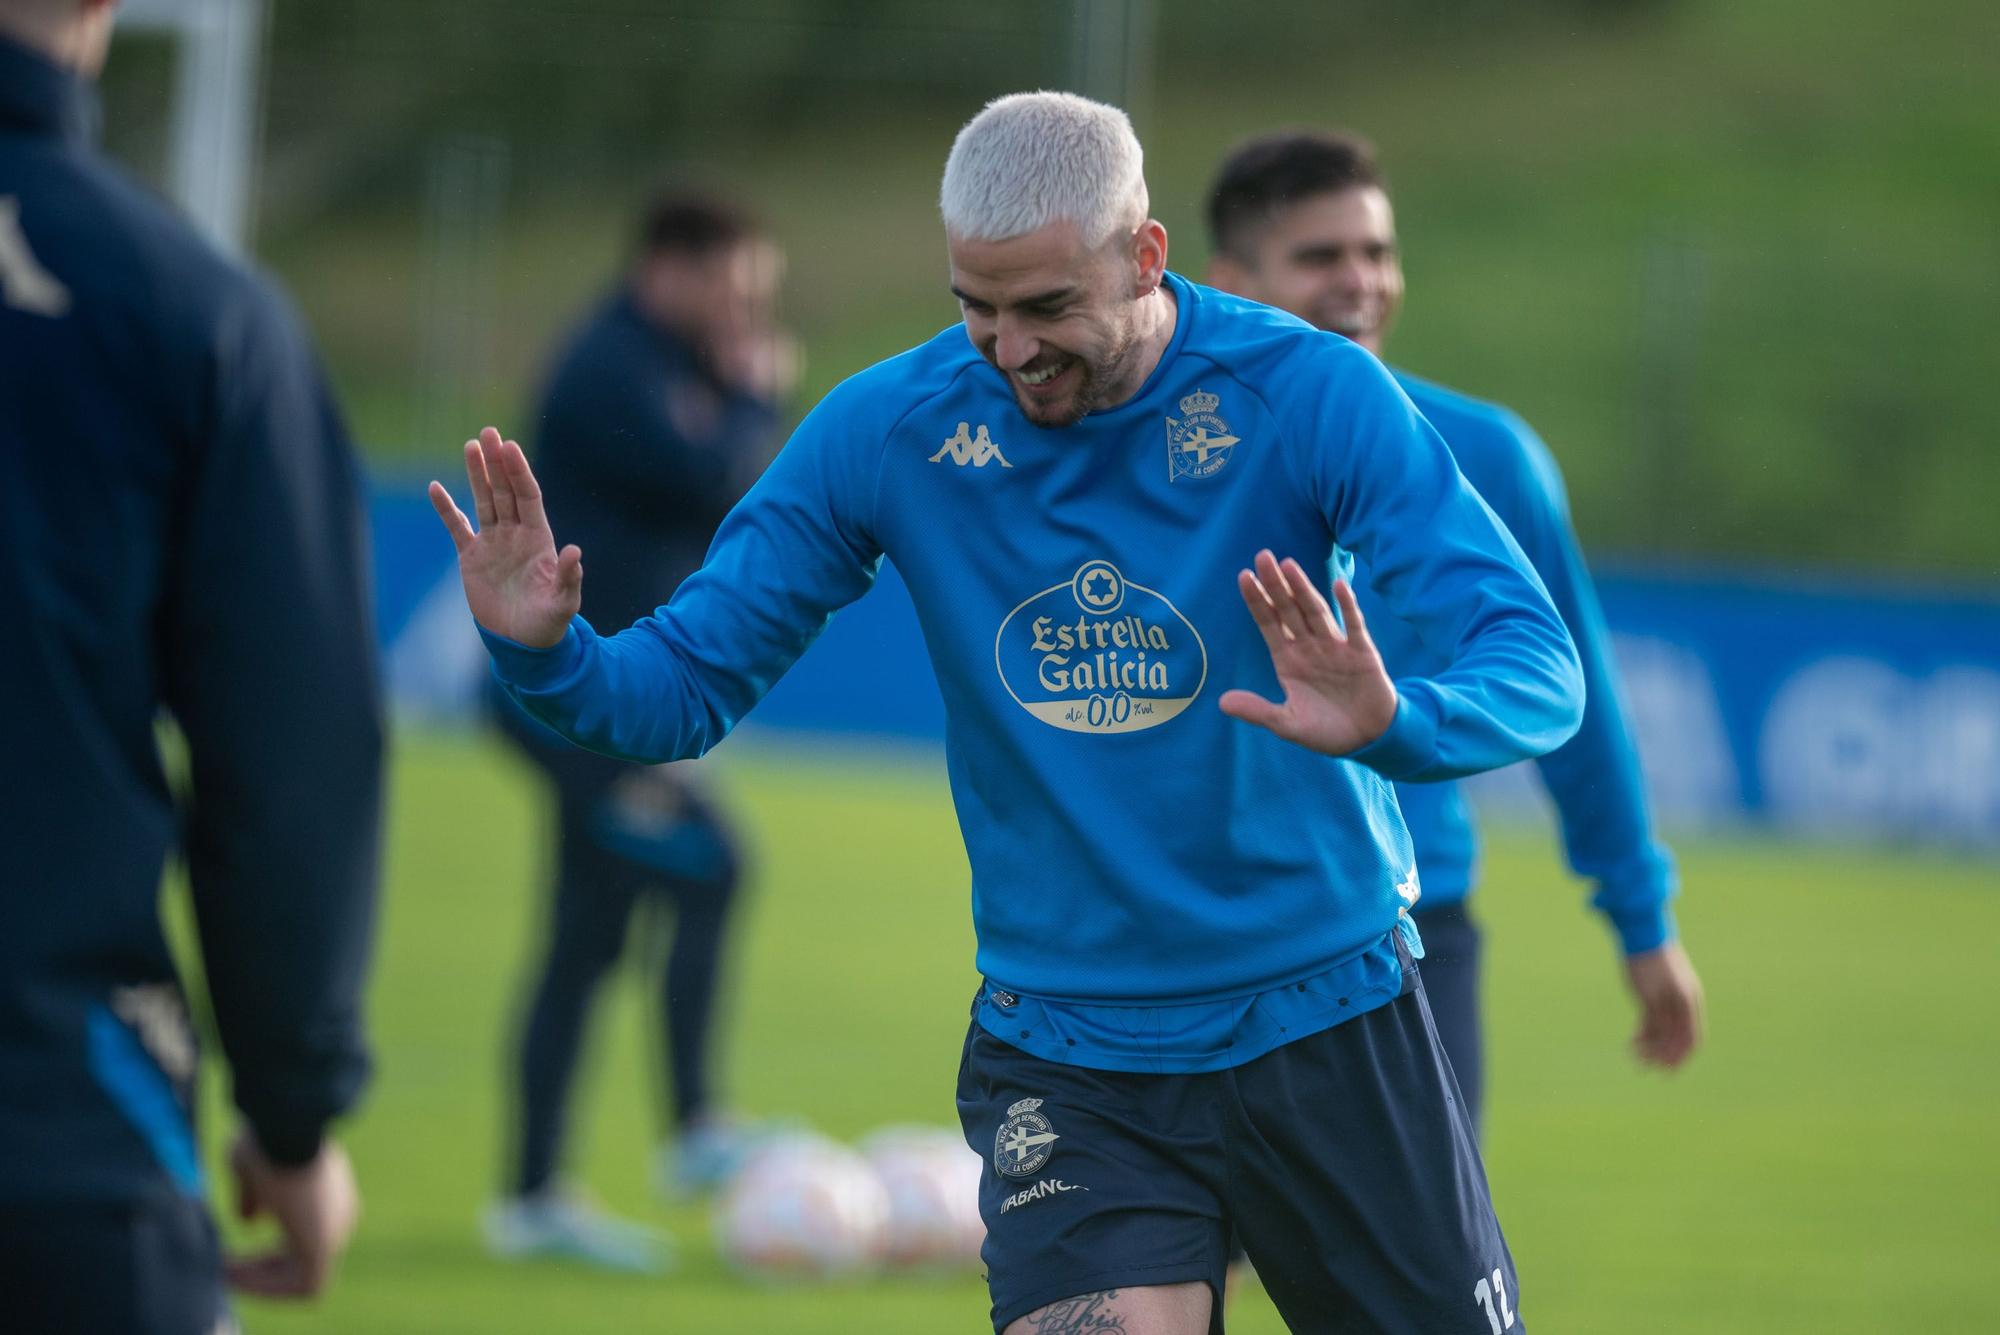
(661, 410)
(1301, 220)
(180, 528)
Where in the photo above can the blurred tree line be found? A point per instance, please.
(1733, 258)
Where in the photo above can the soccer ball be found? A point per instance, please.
(932, 1183)
(802, 1207)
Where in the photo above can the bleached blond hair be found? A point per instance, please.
(1030, 159)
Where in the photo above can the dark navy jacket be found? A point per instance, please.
(180, 529)
(641, 451)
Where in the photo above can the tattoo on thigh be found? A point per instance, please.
(1077, 1316)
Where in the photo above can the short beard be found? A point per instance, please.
(1094, 382)
(1080, 403)
(1034, 411)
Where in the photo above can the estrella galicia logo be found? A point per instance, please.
(1098, 653)
(1025, 1140)
(1199, 444)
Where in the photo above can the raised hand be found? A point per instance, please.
(516, 582)
(1338, 696)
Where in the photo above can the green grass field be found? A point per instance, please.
(1822, 1167)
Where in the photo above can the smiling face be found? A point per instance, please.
(1329, 259)
(1061, 320)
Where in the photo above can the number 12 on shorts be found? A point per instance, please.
(1491, 1294)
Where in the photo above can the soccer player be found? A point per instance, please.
(180, 529)
(1200, 1007)
(1301, 220)
(661, 410)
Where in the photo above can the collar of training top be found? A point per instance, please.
(43, 98)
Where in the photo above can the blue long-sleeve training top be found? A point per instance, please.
(1594, 778)
(1131, 846)
(180, 528)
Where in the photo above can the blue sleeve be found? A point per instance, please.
(1594, 778)
(1441, 561)
(797, 548)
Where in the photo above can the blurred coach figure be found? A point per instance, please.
(659, 413)
(180, 529)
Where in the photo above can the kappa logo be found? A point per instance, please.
(1410, 891)
(1025, 1140)
(975, 449)
(24, 283)
(1199, 444)
(1041, 1190)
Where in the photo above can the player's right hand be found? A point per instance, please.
(516, 582)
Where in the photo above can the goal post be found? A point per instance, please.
(212, 145)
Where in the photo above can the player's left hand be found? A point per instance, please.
(1670, 1005)
(316, 1205)
(1338, 696)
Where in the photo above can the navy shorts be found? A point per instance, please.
(150, 1266)
(1343, 1161)
(1451, 986)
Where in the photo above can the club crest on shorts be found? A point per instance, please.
(1025, 1140)
(1199, 444)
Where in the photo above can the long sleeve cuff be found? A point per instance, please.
(289, 1146)
(532, 669)
(1643, 927)
(1634, 893)
(1406, 749)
